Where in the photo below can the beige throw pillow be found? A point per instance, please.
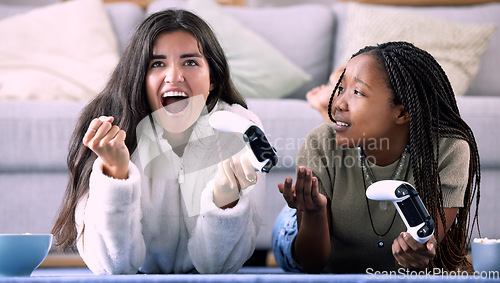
(62, 51)
(456, 46)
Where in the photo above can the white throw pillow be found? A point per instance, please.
(62, 51)
(257, 68)
(456, 46)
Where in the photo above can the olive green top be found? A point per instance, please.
(340, 177)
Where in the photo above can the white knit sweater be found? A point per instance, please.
(162, 219)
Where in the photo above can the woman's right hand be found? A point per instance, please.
(312, 243)
(304, 195)
(108, 142)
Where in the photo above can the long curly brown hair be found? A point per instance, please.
(422, 87)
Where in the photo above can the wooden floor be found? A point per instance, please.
(54, 260)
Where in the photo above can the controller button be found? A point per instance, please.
(401, 191)
(423, 232)
(410, 189)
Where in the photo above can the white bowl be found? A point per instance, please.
(486, 255)
(20, 254)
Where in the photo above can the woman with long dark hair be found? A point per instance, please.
(153, 188)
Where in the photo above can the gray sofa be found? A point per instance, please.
(34, 134)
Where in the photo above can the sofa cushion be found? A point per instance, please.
(304, 33)
(286, 123)
(61, 51)
(489, 68)
(30, 201)
(488, 205)
(35, 134)
(456, 46)
(258, 68)
(38, 132)
(481, 114)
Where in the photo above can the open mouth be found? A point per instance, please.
(174, 101)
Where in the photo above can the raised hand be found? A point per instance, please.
(108, 142)
(304, 195)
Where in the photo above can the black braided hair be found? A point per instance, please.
(422, 87)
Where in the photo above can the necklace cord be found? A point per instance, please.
(373, 179)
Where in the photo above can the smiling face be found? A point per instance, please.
(364, 111)
(177, 81)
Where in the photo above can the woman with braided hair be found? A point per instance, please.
(394, 116)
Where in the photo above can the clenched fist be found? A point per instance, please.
(108, 142)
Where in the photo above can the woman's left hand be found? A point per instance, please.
(411, 254)
(234, 175)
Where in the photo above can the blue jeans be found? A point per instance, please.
(283, 237)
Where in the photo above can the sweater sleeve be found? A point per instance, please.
(109, 223)
(454, 159)
(223, 239)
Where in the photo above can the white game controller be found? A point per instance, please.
(264, 156)
(409, 205)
